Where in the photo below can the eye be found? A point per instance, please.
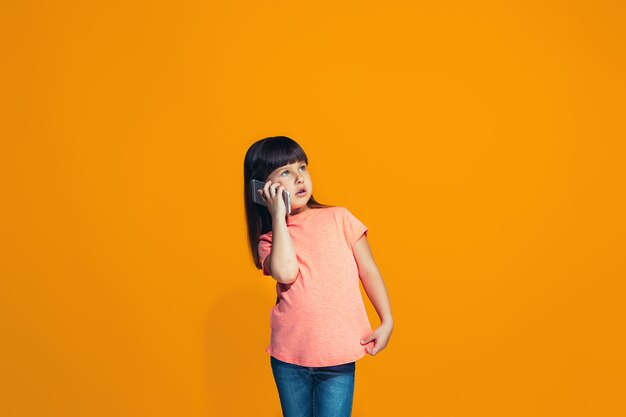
(303, 166)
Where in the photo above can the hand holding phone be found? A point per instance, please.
(268, 195)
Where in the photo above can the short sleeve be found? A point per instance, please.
(353, 227)
(264, 249)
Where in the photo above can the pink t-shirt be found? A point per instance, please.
(320, 318)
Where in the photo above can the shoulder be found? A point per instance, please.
(345, 220)
(346, 214)
(336, 214)
(340, 213)
(330, 212)
(335, 211)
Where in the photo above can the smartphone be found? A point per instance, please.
(256, 197)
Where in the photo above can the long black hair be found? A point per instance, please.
(261, 159)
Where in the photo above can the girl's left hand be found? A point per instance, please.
(381, 336)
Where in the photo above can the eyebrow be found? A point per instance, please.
(287, 166)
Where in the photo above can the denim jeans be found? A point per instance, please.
(324, 391)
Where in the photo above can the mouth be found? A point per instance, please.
(301, 192)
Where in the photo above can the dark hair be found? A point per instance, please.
(263, 157)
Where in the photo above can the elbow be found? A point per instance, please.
(288, 276)
(368, 275)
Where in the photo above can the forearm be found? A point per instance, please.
(283, 262)
(377, 293)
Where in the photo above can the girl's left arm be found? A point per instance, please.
(376, 291)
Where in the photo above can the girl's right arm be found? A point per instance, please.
(283, 264)
(282, 258)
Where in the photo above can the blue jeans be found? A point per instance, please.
(324, 391)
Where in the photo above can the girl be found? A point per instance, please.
(319, 326)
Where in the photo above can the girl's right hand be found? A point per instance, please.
(272, 194)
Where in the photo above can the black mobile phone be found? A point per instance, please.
(256, 197)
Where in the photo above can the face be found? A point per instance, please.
(294, 177)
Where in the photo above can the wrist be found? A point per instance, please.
(279, 219)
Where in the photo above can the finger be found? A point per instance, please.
(266, 188)
(279, 190)
(273, 188)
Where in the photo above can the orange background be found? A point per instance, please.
(481, 143)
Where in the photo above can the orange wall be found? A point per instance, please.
(481, 143)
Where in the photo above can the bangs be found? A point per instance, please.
(276, 153)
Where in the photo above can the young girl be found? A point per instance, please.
(319, 326)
